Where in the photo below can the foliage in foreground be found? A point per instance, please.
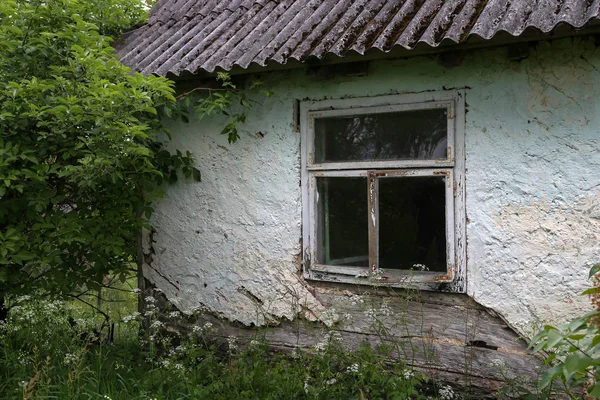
(574, 349)
(79, 156)
(46, 351)
(81, 159)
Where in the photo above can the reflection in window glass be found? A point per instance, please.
(406, 135)
(412, 223)
(342, 221)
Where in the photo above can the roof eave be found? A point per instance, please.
(473, 42)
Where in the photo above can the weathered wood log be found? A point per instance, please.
(447, 336)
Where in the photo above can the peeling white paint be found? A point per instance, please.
(231, 242)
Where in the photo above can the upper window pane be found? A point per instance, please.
(404, 135)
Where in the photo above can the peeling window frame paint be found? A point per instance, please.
(452, 168)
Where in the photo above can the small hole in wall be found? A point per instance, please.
(205, 285)
(225, 235)
(482, 344)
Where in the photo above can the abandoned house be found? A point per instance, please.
(437, 160)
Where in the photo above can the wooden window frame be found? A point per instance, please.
(451, 168)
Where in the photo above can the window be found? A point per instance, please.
(383, 194)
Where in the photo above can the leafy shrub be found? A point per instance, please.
(80, 159)
(574, 349)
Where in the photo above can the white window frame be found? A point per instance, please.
(452, 168)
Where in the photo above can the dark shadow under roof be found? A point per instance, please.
(188, 36)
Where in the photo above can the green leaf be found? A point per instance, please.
(576, 362)
(594, 390)
(594, 270)
(554, 337)
(589, 291)
(576, 324)
(549, 376)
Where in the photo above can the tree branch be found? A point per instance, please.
(200, 88)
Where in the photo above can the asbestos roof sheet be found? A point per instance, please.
(195, 35)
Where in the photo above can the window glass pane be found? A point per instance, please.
(342, 233)
(406, 135)
(412, 223)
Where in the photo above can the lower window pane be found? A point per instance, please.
(342, 210)
(412, 223)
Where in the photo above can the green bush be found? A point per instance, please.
(80, 159)
(574, 350)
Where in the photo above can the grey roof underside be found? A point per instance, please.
(195, 35)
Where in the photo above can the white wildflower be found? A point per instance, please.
(352, 369)
(420, 267)
(446, 393)
(385, 309)
(128, 318)
(150, 299)
(174, 314)
(306, 384)
(232, 342)
(356, 300)
(331, 381)
(370, 313)
(197, 329)
(320, 347)
(377, 274)
(165, 363)
(208, 325)
(136, 290)
(254, 343)
(178, 366)
(333, 337)
(296, 353)
(156, 324)
(407, 373)
(70, 359)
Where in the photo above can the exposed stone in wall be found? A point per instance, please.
(231, 242)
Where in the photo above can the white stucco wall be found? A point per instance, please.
(232, 241)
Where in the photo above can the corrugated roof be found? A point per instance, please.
(194, 35)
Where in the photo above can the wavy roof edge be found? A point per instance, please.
(190, 36)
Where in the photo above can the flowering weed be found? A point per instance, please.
(45, 353)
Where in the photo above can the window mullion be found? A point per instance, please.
(373, 222)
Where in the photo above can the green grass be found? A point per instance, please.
(44, 355)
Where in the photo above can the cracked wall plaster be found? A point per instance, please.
(231, 242)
